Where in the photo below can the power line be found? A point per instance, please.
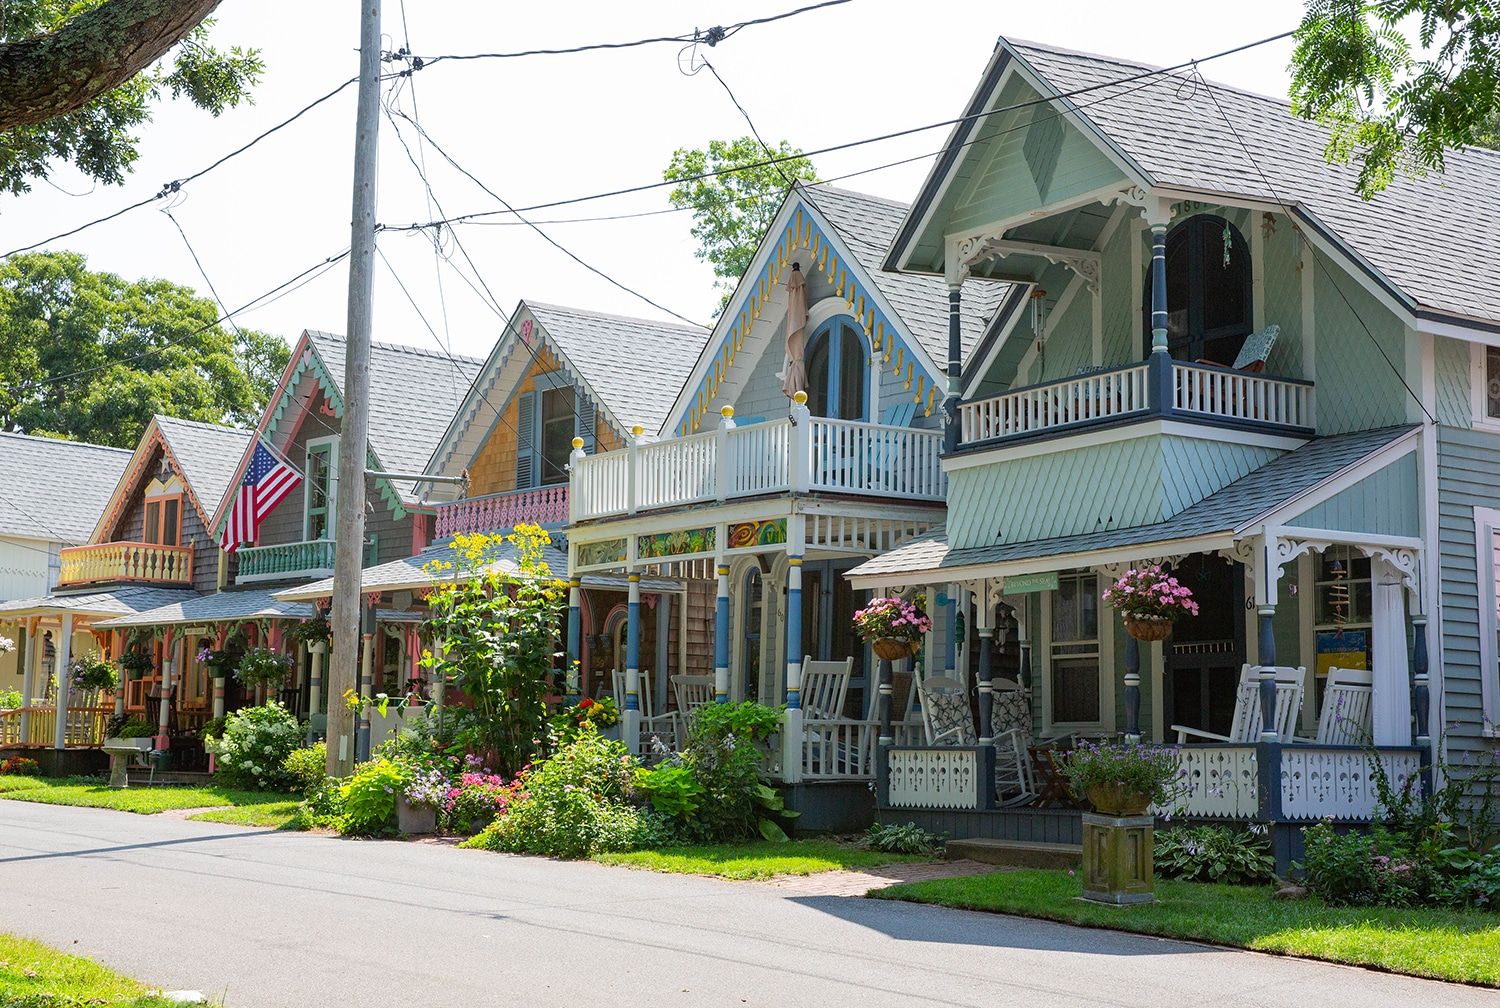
(1254, 163)
(176, 185)
(849, 145)
(711, 36)
(199, 263)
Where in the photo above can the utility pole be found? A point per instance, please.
(348, 600)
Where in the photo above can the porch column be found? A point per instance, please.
(575, 637)
(1132, 690)
(64, 655)
(984, 618)
(955, 366)
(314, 689)
(1421, 734)
(1157, 217)
(168, 676)
(28, 643)
(366, 682)
(439, 678)
(1266, 642)
(1390, 700)
(663, 646)
(791, 732)
(721, 636)
(630, 718)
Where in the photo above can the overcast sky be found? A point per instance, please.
(548, 128)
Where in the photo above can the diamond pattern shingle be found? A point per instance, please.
(55, 489)
(1432, 237)
(635, 366)
(413, 395)
(1230, 508)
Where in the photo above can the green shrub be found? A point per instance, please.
(1214, 854)
(212, 729)
(744, 720)
(308, 766)
(254, 747)
(368, 797)
(671, 788)
(475, 800)
(427, 738)
(133, 727)
(11, 699)
(323, 806)
(902, 838)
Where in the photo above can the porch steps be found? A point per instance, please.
(1016, 853)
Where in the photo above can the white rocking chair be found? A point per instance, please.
(949, 721)
(1245, 725)
(690, 692)
(663, 726)
(1346, 717)
(825, 684)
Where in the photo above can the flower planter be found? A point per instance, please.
(1148, 628)
(1117, 800)
(413, 819)
(892, 649)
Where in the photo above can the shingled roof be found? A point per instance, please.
(869, 224)
(634, 366)
(1229, 510)
(54, 489)
(207, 454)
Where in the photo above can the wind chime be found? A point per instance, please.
(1038, 320)
(1338, 597)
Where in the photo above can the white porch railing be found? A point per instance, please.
(1219, 781)
(1037, 408)
(546, 505)
(798, 454)
(126, 561)
(936, 778)
(1318, 781)
(838, 749)
(1235, 395)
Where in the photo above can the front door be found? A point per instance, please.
(1205, 652)
(828, 606)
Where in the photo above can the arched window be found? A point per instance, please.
(837, 368)
(1208, 291)
(752, 602)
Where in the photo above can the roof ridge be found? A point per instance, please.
(591, 313)
(821, 187)
(408, 348)
(200, 423)
(40, 438)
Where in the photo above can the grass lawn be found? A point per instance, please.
(274, 815)
(757, 860)
(1462, 945)
(90, 792)
(37, 976)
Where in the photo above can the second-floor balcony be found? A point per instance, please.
(546, 506)
(799, 454)
(100, 563)
(291, 561)
(1159, 388)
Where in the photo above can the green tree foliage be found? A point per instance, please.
(55, 55)
(91, 356)
(1394, 105)
(732, 211)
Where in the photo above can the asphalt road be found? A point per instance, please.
(271, 919)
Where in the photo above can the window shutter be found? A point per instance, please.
(583, 419)
(526, 436)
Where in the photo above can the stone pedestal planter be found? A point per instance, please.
(414, 819)
(122, 751)
(1117, 854)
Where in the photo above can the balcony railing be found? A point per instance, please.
(798, 455)
(1158, 387)
(545, 506)
(126, 561)
(288, 561)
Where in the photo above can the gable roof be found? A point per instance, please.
(633, 366)
(1229, 510)
(203, 454)
(1427, 240)
(54, 489)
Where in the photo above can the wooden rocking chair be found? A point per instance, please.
(1245, 725)
(663, 726)
(825, 684)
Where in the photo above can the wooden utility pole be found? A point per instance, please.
(354, 438)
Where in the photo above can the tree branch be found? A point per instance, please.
(94, 52)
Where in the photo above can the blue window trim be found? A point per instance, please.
(835, 360)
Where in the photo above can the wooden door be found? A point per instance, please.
(1204, 654)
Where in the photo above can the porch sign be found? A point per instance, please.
(1027, 584)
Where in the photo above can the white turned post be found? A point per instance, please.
(31, 645)
(64, 655)
(799, 463)
(1390, 697)
(633, 468)
(724, 467)
(574, 457)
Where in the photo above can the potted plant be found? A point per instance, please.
(135, 663)
(1122, 778)
(1150, 600)
(262, 666)
(417, 804)
(91, 674)
(315, 632)
(894, 627)
(219, 662)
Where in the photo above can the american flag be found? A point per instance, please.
(267, 482)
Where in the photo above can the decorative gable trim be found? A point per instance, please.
(125, 490)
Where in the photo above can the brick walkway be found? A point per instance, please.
(858, 883)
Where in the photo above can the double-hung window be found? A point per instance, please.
(1076, 695)
(322, 462)
(1487, 564)
(163, 513)
(1485, 363)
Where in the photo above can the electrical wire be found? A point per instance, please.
(199, 263)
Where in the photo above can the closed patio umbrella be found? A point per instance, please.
(794, 378)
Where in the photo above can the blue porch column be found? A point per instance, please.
(791, 732)
(949, 604)
(630, 717)
(955, 366)
(1421, 699)
(575, 639)
(986, 684)
(1132, 689)
(1266, 641)
(721, 636)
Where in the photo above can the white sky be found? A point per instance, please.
(555, 127)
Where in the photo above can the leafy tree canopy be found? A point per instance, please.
(1394, 105)
(77, 77)
(91, 356)
(732, 211)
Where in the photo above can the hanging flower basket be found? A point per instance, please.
(893, 649)
(1148, 628)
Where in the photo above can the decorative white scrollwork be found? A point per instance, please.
(932, 778)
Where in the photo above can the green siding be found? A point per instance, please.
(1282, 288)
(1384, 503)
(1468, 477)
(1450, 362)
(1093, 487)
(1360, 355)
